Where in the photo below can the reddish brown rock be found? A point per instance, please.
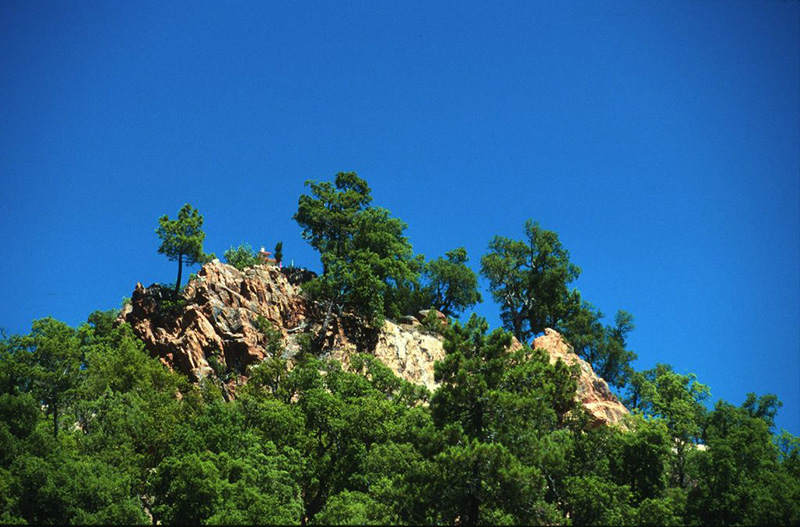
(218, 317)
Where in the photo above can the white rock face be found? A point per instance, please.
(407, 349)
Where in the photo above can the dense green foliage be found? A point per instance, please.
(95, 431)
(604, 347)
(182, 239)
(451, 285)
(500, 442)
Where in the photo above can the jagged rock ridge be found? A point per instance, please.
(218, 317)
(214, 324)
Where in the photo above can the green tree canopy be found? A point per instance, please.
(182, 239)
(740, 479)
(678, 399)
(241, 257)
(501, 442)
(363, 250)
(452, 286)
(54, 362)
(765, 407)
(529, 279)
(494, 405)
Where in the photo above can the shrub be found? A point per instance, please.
(241, 257)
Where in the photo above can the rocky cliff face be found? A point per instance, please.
(215, 319)
(407, 349)
(593, 392)
(212, 328)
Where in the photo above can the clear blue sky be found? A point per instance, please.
(660, 140)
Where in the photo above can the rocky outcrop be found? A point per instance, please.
(593, 392)
(213, 327)
(408, 349)
(215, 320)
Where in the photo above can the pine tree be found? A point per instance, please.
(182, 239)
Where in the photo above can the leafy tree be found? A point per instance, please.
(789, 452)
(14, 365)
(353, 508)
(258, 488)
(102, 323)
(765, 407)
(334, 420)
(66, 489)
(529, 280)
(129, 406)
(182, 239)
(271, 373)
(452, 286)
(55, 362)
(8, 499)
(381, 259)
(494, 404)
(244, 487)
(592, 500)
(604, 347)
(740, 480)
(641, 459)
(432, 323)
(279, 253)
(363, 251)
(241, 257)
(484, 483)
(666, 511)
(471, 373)
(678, 399)
(186, 489)
(400, 474)
(19, 417)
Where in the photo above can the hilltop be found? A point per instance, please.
(254, 393)
(218, 317)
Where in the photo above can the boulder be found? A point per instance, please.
(421, 315)
(410, 321)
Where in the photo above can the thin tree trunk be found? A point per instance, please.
(324, 329)
(518, 327)
(180, 270)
